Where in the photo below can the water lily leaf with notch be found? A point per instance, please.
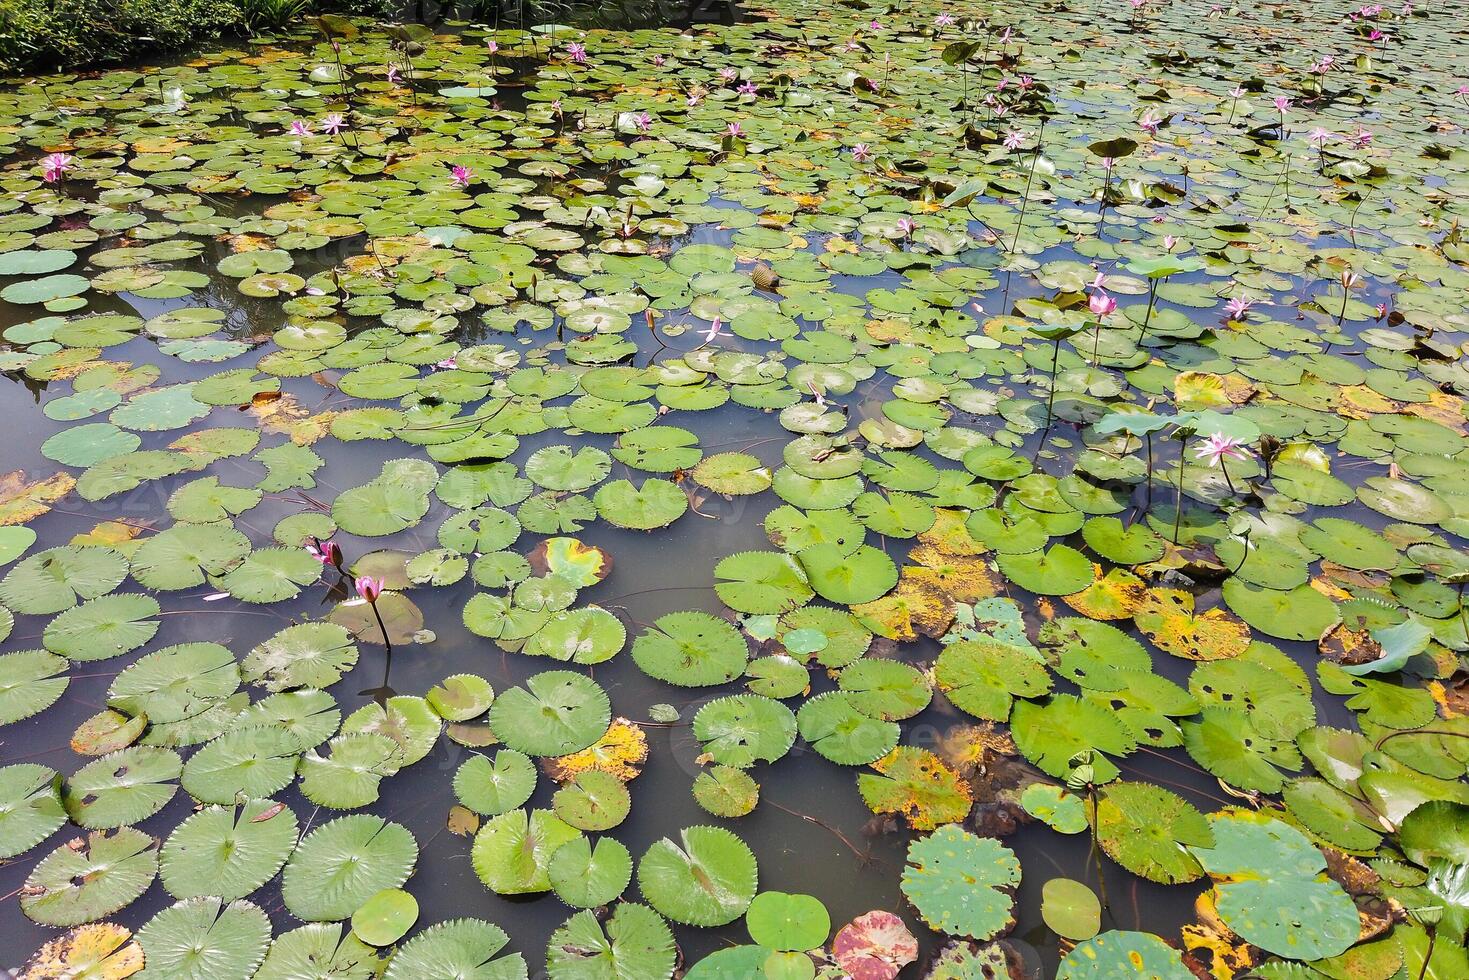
(761, 582)
(1063, 812)
(30, 807)
(563, 469)
(1125, 545)
(56, 579)
(1148, 831)
(29, 683)
(406, 719)
(657, 503)
(1051, 734)
(1224, 741)
(459, 947)
(95, 951)
(837, 729)
(460, 697)
(204, 501)
(400, 615)
(658, 449)
(343, 863)
(558, 712)
(733, 474)
(594, 800)
(269, 575)
(107, 626)
(318, 949)
(160, 409)
(1332, 815)
(91, 877)
(1276, 710)
(204, 939)
(227, 852)
(886, 689)
(691, 649)
(584, 875)
(303, 655)
(848, 578)
(511, 851)
(176, 683)
(1301, 613)
(1061, 570)
(634, 942)
(983, 677)
(707, 879)
(249, 761)
(726, 792)
(1272, 888)
(381, 507)
(349, 776)
(122, 787)
(915, 784)
(1399, 644)
(494, 787)
(1118, 953)
(743, 729)
(962, 884)
(1381, 702)
(181, 557)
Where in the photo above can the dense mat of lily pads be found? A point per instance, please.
(1119, 352)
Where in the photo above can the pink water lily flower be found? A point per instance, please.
(1238, 306)
(907, 226)
(1238, 92)
(1320, 136)
(728, 74)
(492, 46)
(734, 129)
(861, 152)
(368, 588)
(713, 333)
(943, 20)
(299, 127)
(1362, 139)
(1282, 103)
(644, 122)
(658, 61)
(1150, 122)
(447, 364)
(1169, 242)
(1013, 139)
(55, 166)
(393, 77)
(462, 176)
(333, 124)
(748, 88)
(1101, 304)
(696, 95)
(326, 552)
(577, 52)
(1219, 447)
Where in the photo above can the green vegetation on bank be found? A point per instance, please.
(53, 35)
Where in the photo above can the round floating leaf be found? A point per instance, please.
(204, 939)
(761, 582)
(343, 863)
(837, 729)
(318, 950)
(93, 951)
(915, 784)
(107, 626)
(874, 946)
(691, 649)
(57, 579)
(791, 923)
(228, 852)
(726, 792)
(1301, 613)
(303, 655)
(707, 879)
(494, 787)
(1070, 908)
(385, 917)
(850, 579)
(123, 787)
(557, 712)
(1147, 830)
(744, 729)
(593, 801)
(89, 878)
(29, 683)
(962, 884)
(587, 876)
(657, 503)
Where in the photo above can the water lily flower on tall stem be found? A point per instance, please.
(714, 333)
(1101, 304)
(944, 19)
(333, 124)
(1219, 447)
(368, 588)
(907, 226)
(55, 166)
(1014, 139)
(394, 78)
(643, 121)
(1282, 103)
